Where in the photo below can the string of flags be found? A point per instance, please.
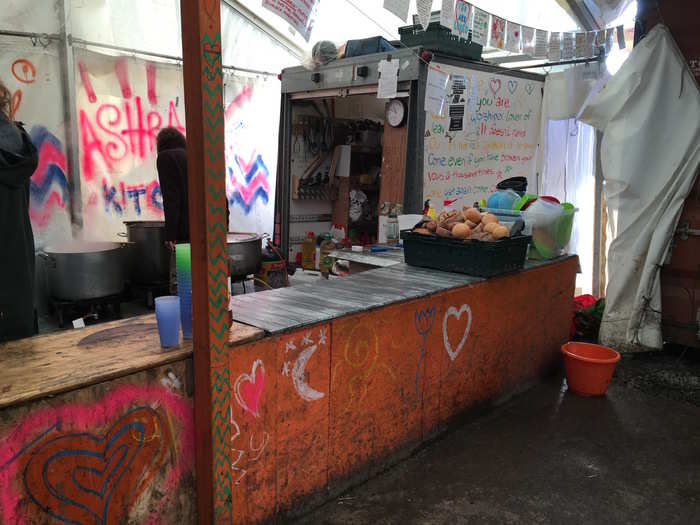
(487, 29)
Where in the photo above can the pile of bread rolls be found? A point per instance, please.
(469, 224)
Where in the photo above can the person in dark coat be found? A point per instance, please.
(18, 160)
(172, 175)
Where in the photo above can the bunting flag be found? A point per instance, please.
(567, 50)
(480, 27)
(462, 19)
(528, 39)
(498, 32)
(621, 37)
(554, 46)
(581, 45)
(541, 43)
(513, 32)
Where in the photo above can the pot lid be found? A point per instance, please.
(146, 224)
(82, 247)
(233, 237)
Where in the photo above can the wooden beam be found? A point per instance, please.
(201, 51)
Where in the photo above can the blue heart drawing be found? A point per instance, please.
(512, 86)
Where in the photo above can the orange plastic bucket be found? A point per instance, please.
(589, 368)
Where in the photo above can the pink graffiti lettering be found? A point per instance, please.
(173, 120)
(87, 84)
(245, 95)
(121, 69)
(90, 144)
(151, 83)
(116, 149)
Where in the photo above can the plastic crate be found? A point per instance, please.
(439, 38)
(367, 46)
(478, 258)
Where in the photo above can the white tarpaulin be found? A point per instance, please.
(649, 113)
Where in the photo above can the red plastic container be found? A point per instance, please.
(589, 368)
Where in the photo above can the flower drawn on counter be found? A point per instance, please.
(423, 321)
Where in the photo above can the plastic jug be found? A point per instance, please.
(308, 252)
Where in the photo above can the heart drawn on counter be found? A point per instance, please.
(248, 388)
(457, 314)
(80, 477)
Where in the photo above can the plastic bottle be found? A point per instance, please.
(308, 250)
(325, 260)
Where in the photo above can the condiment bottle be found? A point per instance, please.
(308, 250)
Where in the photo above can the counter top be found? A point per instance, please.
(380, 259)
(50, 364)
(279, 310)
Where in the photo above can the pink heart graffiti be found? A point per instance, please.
(495, 85)
(248, 388)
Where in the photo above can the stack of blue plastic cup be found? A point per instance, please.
(184, 287)
(168, 318)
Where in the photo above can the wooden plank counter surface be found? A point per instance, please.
(50, 364)
(283, 309)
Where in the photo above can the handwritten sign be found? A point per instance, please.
(462, 19)
(300, 14)
(477, 143)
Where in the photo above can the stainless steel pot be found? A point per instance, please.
(244, 253)
(150, 258)
(81, 270)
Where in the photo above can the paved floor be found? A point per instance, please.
(548, 456)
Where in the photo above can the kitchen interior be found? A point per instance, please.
(336, 186)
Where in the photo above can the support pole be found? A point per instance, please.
(70, 114)
(203, 80)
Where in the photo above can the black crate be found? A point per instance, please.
(478, 258)
(440, 39)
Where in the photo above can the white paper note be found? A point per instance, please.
(621, 37)
(473, 94)
(513, 37)
(528, 38)
(388, 78)
(567, 51)
(541, 43)
(581, 45)
(423, 7)
(398, 7)
(554, 46)
(480, 27)
(462, 19)
(447, 13)
(436, 91)
(300, 14)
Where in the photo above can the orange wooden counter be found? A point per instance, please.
(317, 407)
(96, 426)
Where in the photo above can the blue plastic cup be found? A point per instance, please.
(168, 318)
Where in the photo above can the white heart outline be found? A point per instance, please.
(457, 314)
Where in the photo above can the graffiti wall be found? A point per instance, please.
(119, 452)
(122, 103)
(326, 406)
(32, 75)
(252, 120)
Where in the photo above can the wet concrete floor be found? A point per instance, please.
(548, 456)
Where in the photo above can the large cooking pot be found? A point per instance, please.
(150, 257)
(244, 253)
(80, 270)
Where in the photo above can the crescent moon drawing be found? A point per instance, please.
(303, 389)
